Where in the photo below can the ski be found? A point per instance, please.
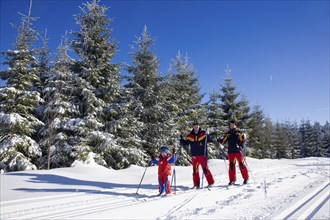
(236, 185)
(198, 188)
(208, 187)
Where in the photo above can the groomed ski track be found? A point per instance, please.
(81, 203)
(301, 200)
(78, 204)
(309, 205)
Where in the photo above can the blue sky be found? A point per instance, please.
(278, 51)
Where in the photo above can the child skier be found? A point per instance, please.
(164, 161)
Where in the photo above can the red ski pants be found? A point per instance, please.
(232, 158)
(201, 160)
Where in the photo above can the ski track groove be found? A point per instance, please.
(180, 205)
(79, 204)
(309, 205)
(61, 205)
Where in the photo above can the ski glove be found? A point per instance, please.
(240, 147)
(174, 150)
(182, 141)
(152, 156)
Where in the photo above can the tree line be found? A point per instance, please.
(56, 111)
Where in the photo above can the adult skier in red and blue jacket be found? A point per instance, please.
(236, 140)
(197, 139)
(164, 161)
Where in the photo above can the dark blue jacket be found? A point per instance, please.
(197, 142)
(235, 139)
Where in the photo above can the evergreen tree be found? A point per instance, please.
(233, 107)
(19, 100)
(215, 115)
(292, 131)
(319, 149)
(98, 80)
(216, 124)
(326, 139)
(61, 113)
(281, 141)
(125, 126)
(307, 139)
(268, 132)
(43, 55)
(145, 85)
(93, 44)
(257, 135)
(42, 66)
(183, 94)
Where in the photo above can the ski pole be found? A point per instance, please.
(174, 173)
(224, 159)
(245, 161)
(142, 178)
(204, 156)
(175, 157)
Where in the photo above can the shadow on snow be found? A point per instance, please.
(76, 184)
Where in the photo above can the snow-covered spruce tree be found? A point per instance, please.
(233, 107)
(215, 115)
(326, 139)
(183, 93)
(60, 112)
(280, 142)
(99, 81)
(307, 139)
(19, 100)
(43, 56)
(257, 134)
(145, 86)
(217, 125)
(292, 132)
(268, 132)
(319, 150)
(42, 66)
(125, 126)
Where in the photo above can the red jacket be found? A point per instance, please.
(164, 164)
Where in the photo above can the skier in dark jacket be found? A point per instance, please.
(197, 139)
(164, 161)
(236, 140)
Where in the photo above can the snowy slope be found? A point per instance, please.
(278, 189)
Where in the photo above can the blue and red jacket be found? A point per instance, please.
(164, 164)
(197, 142)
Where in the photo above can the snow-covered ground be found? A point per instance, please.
(278, 189)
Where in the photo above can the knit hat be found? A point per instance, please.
(233, 122)
(164, 149)
(196, 122)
